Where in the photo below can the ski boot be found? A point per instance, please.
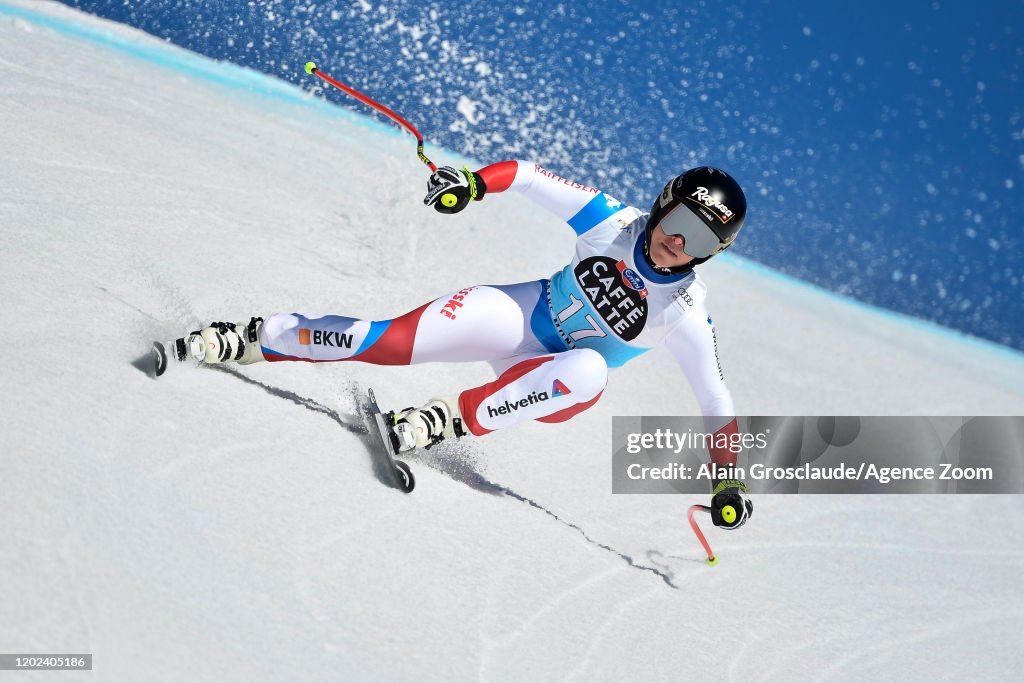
(225, 343)
(425, 427)
(216, 343)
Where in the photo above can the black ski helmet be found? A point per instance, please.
(705, 205)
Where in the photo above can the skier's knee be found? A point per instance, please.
(589, 372)
(585, 374)
(277, 324)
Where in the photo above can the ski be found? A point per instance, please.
(159, 358)
(166, 353)
(402, 474)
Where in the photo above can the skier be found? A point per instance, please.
(630, 287)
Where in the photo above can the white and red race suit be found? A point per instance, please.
(551, 341)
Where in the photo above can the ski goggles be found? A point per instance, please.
(701, 240)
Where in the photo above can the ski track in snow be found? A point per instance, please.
(349, 424)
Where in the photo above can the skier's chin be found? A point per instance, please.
(665, 257)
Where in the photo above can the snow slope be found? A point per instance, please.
(235, 526)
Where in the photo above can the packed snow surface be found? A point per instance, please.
(235, 525)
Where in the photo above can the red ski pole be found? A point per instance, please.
(394, 116)
(712, 560)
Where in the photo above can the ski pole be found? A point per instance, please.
(712, 560)
(311, 68)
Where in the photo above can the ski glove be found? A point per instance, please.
(730, 507)
(449, 190)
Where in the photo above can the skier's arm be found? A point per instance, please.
(580, 206)
(695, 347)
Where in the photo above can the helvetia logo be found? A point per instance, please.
(704, 196)
(558, 388)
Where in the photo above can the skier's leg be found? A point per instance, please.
(472, 324)
(508, 325)
(475, 323)
(222, 343)
(550, 388)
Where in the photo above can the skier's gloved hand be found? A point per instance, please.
(450, 190)
(730, 507)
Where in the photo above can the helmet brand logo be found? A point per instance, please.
(666, 195)
(704, 196)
